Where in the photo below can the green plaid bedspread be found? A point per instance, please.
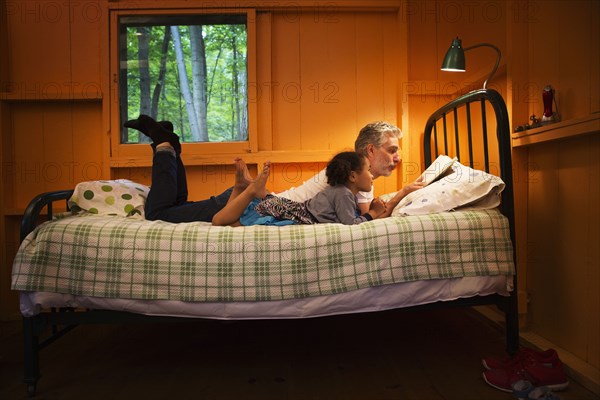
(132, 258)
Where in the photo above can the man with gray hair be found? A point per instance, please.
(379, 141)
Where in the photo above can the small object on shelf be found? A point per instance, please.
(548, 96)
(535, 122)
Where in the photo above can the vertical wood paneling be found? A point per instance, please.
(55, 146)
(562, 241)
(594, 66)
(575, 50)
(593, 273)
(338, 111)
(370, 69)
(87, 143)
(85, 46)
(563, 57)
(336, 78)
(316, 68)
(286, 76)
(35, 67)
(260, 91)
(392, 67)
(28, 133)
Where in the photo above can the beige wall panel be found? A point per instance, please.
(370, 53)
(286, 76)
(575, 53)
(330, 78)
(543, 199)
(56, 145)
(27, 131)
(592, 278)
(87, 142)
(318, 67)
(262, 94)
(422, 30)
(86, 47)
(564, 58)
(560, 245)
(595, 58)
(37, 69)
(392, 43)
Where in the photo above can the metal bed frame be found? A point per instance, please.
(60, 321)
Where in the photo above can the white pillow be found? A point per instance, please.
(464, 188)
(120, 197)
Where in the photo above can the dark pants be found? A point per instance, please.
(167, 199)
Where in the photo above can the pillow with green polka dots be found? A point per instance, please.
(120, 197)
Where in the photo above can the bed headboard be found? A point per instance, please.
(464, 128)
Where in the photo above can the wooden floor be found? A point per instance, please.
(391, 355)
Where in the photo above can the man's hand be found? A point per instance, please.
(402, 193)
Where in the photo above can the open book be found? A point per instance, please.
(439, 168)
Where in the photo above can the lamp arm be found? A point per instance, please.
(497, 60)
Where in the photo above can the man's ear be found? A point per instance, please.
(370, 149)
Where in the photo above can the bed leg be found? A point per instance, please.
(31, 353)
(512, 324)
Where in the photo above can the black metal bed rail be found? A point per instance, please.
(32, 212)
(502, 137)
(482, 96)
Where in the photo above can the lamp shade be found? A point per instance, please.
(455, 57)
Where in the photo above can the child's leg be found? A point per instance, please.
(242, 178)
(231, 213)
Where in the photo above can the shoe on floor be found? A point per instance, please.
(521, 389)
(524, 353)
(542, 393)
(524, 390)
(539, 374)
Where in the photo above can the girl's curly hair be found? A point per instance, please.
(341, 166)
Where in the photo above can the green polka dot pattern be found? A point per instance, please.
(120, 197)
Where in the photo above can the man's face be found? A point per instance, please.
(384, 159)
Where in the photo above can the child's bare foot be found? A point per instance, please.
(242, 176)
(259, 186)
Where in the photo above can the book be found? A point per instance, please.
(439, 168)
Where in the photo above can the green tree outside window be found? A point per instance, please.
(190, 70)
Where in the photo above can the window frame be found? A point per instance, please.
(128, 154)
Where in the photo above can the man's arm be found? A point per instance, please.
(402, 193)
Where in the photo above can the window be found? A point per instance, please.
(190, 69)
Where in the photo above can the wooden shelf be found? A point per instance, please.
(50, 94)
(557, 131)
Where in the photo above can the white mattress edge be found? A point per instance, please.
(380, 298)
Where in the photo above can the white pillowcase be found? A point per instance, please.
(120, 197)
(464, 188)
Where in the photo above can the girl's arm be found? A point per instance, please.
(345, 209)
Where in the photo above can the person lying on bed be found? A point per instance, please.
(347, 174)
(379, 143)
(168, 201)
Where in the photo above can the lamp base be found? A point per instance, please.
(551, 119)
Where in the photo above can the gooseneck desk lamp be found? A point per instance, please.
(455, 58)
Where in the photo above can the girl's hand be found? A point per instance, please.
(377, 208)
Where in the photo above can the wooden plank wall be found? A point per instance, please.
(326, 69)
